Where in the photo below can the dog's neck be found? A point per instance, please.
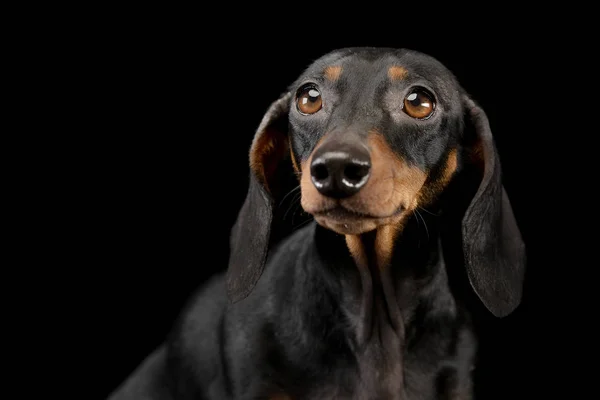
(391, 265)
(372, 253)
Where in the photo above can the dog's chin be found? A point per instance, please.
(347, 222)
(351, 227)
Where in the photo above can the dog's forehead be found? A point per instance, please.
(395, 63)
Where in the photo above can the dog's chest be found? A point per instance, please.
(380, 372)
(365, 382)
(377, 368)
(377, 373)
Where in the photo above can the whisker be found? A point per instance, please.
(429, 212)
(288, 194)
(303, 223)
(294, 203)
(424, 223)
(417, 219)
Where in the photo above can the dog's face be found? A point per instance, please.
(372, 136)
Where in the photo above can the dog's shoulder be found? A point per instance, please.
(148, 381)
(201, 317)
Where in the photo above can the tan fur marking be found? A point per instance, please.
(384, 243)
(451, 165)
(397, 73)
(385, 239)
(357, 250)
(294, 163)
(433, 189)
(267, 150)
(333, 73)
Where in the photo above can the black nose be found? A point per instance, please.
(340, 171)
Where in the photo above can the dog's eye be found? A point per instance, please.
(419, 104)
(309, 100)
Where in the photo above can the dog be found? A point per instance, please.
(406, 233)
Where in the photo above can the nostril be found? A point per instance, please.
(355, 173)
(319, 172)
(339, 172)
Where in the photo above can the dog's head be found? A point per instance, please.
(372, 134)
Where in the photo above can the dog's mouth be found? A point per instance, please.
(351, 222)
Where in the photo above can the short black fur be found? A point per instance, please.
(295, 316)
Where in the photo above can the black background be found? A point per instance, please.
(166, 152)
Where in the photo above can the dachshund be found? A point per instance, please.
(374, 232)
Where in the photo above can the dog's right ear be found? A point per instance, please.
(250, 236)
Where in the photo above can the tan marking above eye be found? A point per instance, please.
(419, 104)
(333, 73)
(397, 73)
(309, 100)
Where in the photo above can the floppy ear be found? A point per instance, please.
(494, 251)
(252, 231)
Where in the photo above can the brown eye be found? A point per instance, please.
(419, 104)
(309, 100)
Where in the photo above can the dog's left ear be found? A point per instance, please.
(251, 234)
(494, 251)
